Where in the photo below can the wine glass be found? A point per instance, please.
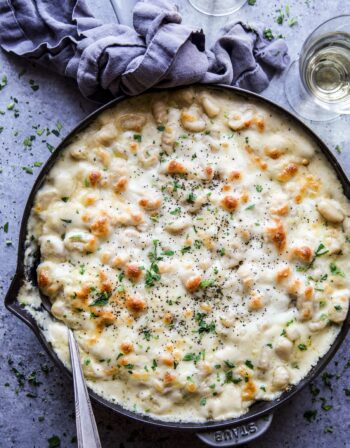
(217, 7)
(317, 85)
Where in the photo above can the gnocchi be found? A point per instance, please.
(197, 243)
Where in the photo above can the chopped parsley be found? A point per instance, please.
(191, 198)
(101, 299)
(229, 364)
(249, 364)
(168, 253)
(319, 252)
(27, 142)
(326, 407)
(302, 346)
(229, 378)
(161, 128)
(203, 326)
(176, 211)
(310, 415)
(338, 149)
(138, 137)
(268, 34)
(33, 85)
(152, 273)
(314, 390)
(54, 442)
(292, 21)
(259, 188)
(147, 334)
(50, 147)
(198, 244)
(280, 17)
(206, 283)
(3, 82)
(335, 270)
(192, 357)
(326, 378)
(202, 401)
(185, 249)
(27, 169)
(154, 365)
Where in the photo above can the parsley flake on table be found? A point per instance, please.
(338, 149)
(292, 21)
(310, 415)
(33, 85)
(50, 147)
(280, 17)
(268, 34)
(54, 442)
(27, 169)
(3, 82)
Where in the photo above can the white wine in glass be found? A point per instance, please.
(317, 86)
(326, 69)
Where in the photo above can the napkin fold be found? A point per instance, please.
(110, 59)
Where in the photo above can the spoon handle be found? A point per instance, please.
(87, 433)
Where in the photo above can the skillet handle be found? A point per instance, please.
(237, 435)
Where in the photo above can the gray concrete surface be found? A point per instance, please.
(36, 407)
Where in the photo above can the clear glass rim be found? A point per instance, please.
(305, 46)
(220, 14)
(318, 27)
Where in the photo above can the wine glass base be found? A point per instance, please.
(301, 101)
(210, 10)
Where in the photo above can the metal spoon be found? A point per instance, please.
(87, 433)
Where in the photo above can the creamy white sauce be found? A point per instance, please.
(196, 243)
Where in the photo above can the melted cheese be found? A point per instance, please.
(196, 243)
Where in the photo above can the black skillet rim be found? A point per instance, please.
(258, 409)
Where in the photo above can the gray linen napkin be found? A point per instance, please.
(159, 52)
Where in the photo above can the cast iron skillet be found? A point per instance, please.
(215, 433)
